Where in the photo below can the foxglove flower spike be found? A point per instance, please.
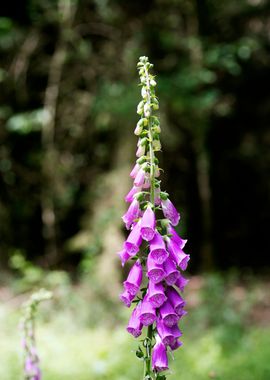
(153, 242)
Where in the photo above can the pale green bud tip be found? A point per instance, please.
(143, 59)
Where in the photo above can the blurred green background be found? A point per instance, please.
(69, 90)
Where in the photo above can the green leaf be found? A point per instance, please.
(161, 377)
(139, 353)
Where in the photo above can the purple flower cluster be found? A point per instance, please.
(31, 369)
(31, 359)
(161, 304)
(155, 280)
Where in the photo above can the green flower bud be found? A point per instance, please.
(155, 135)
(147, 110)
(145, 166)
(155, 104)
(143, 141)
(164, 195)
(139, 127)
(145, 121)
(164, 223)
(156, 129)
(141, 160)
(153, 82)
(144, 133)
(143, 59)
(139, 196)
(156, 145)
(140, 107)
(141, 71)
(155, 120)
(143, 79)
(144, 92)
(157, 171)
(138, 130)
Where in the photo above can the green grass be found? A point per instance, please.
(226, 349)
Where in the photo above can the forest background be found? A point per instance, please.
(69, 90)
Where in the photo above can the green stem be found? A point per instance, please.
(147, 368)
(150, 138)
(149, 350)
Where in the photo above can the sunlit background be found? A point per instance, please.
(69, 91)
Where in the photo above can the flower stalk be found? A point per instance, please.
(152, 200)
(153, 244)
(31, 359)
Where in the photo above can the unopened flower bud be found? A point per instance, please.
(139, 128)
(156, 145)
(142, 141)
(143, 79)
(155, 104)
(145, 122)
(141, 150)
(156, 129)
(144, 92)
(141, 71)
(143, 59)
(140, 107)
(147, 110)
(141, 160)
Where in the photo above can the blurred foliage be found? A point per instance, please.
(29, 276)
(219, 343)
(26, 122)
(68, 100)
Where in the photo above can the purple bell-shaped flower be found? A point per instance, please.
(159, 356)
(148, 224)
(134, 280)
